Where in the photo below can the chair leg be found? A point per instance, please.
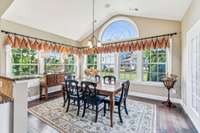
(64, 102)
(68, 104)
(104, 109)
(97, 112)
(84, 109)
(125, 108)
(78, 102)
(41, 92)
(119, 112)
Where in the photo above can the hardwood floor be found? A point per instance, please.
(172, 120)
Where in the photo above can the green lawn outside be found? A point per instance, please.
(126, 75)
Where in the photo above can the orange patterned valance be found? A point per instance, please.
(125, 46)
(23, 42)
(130, 46)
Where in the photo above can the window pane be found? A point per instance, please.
(107, 69)
(92, 61)
(154, 64)
(51, 68)
(153, 68)
(92, 66)
(16, 70)
(24, 70)
(70, 69)
(128, 66)
(23, 61)
(162, 58)
(34, 69)
(161, 68)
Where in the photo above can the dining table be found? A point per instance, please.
(105, 89)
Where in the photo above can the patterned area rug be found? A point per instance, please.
(141, 118)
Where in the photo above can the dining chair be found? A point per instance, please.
(91, 97)
(120, 99)
(109, 79)
(73, 93)
(97, 78)
(70, 76)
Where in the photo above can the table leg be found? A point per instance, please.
(112, 105)
(46, 93)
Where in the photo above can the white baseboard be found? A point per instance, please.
(190, 114)
(33, 98)
(154, 97)
(50, 90)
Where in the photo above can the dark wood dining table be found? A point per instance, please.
(110, 90)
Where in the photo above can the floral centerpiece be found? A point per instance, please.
(91, 72)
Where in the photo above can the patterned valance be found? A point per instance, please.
(129, 46)
(124, 46)
(23, 42)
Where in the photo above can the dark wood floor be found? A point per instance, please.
(168, 120)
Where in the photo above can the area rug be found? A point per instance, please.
(141, 118)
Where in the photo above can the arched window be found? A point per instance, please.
(117, 30)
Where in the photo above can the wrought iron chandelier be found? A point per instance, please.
(93, 41)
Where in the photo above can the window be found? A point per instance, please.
(193, 70)
(128, 66)
(70, 64)
(154, 64)
(53, 63)
(92, 61)
(107, 64)
(24, 62)
(119, 30)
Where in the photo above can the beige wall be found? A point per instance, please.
(150, 27)
(22, 29)
(4, 4)
(191, 17)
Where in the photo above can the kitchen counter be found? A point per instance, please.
(4, 98)
(17, 78)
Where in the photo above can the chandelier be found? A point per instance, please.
(93, 41)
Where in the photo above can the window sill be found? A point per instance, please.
(156, 84)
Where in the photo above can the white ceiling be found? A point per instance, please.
(73, 18)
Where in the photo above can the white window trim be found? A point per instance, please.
(139, 57)
(9, 64)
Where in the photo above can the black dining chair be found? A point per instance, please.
(120, 99)
(97, 78)
(109, 79)
(91, 97)
(70, 76)
(73, 93)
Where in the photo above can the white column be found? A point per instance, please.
(8, 61)
(169, 56)
(99, 62)
(78, 64)
(117, 65)
(41, 63)
(20, 94)
(139, 69)
(82, 64)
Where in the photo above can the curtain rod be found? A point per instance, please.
(170, 34)
(8, 32)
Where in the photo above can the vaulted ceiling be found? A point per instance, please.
(73, 18)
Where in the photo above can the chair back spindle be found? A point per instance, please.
(125, 90)
(109, 79)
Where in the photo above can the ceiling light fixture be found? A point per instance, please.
(93, 41)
